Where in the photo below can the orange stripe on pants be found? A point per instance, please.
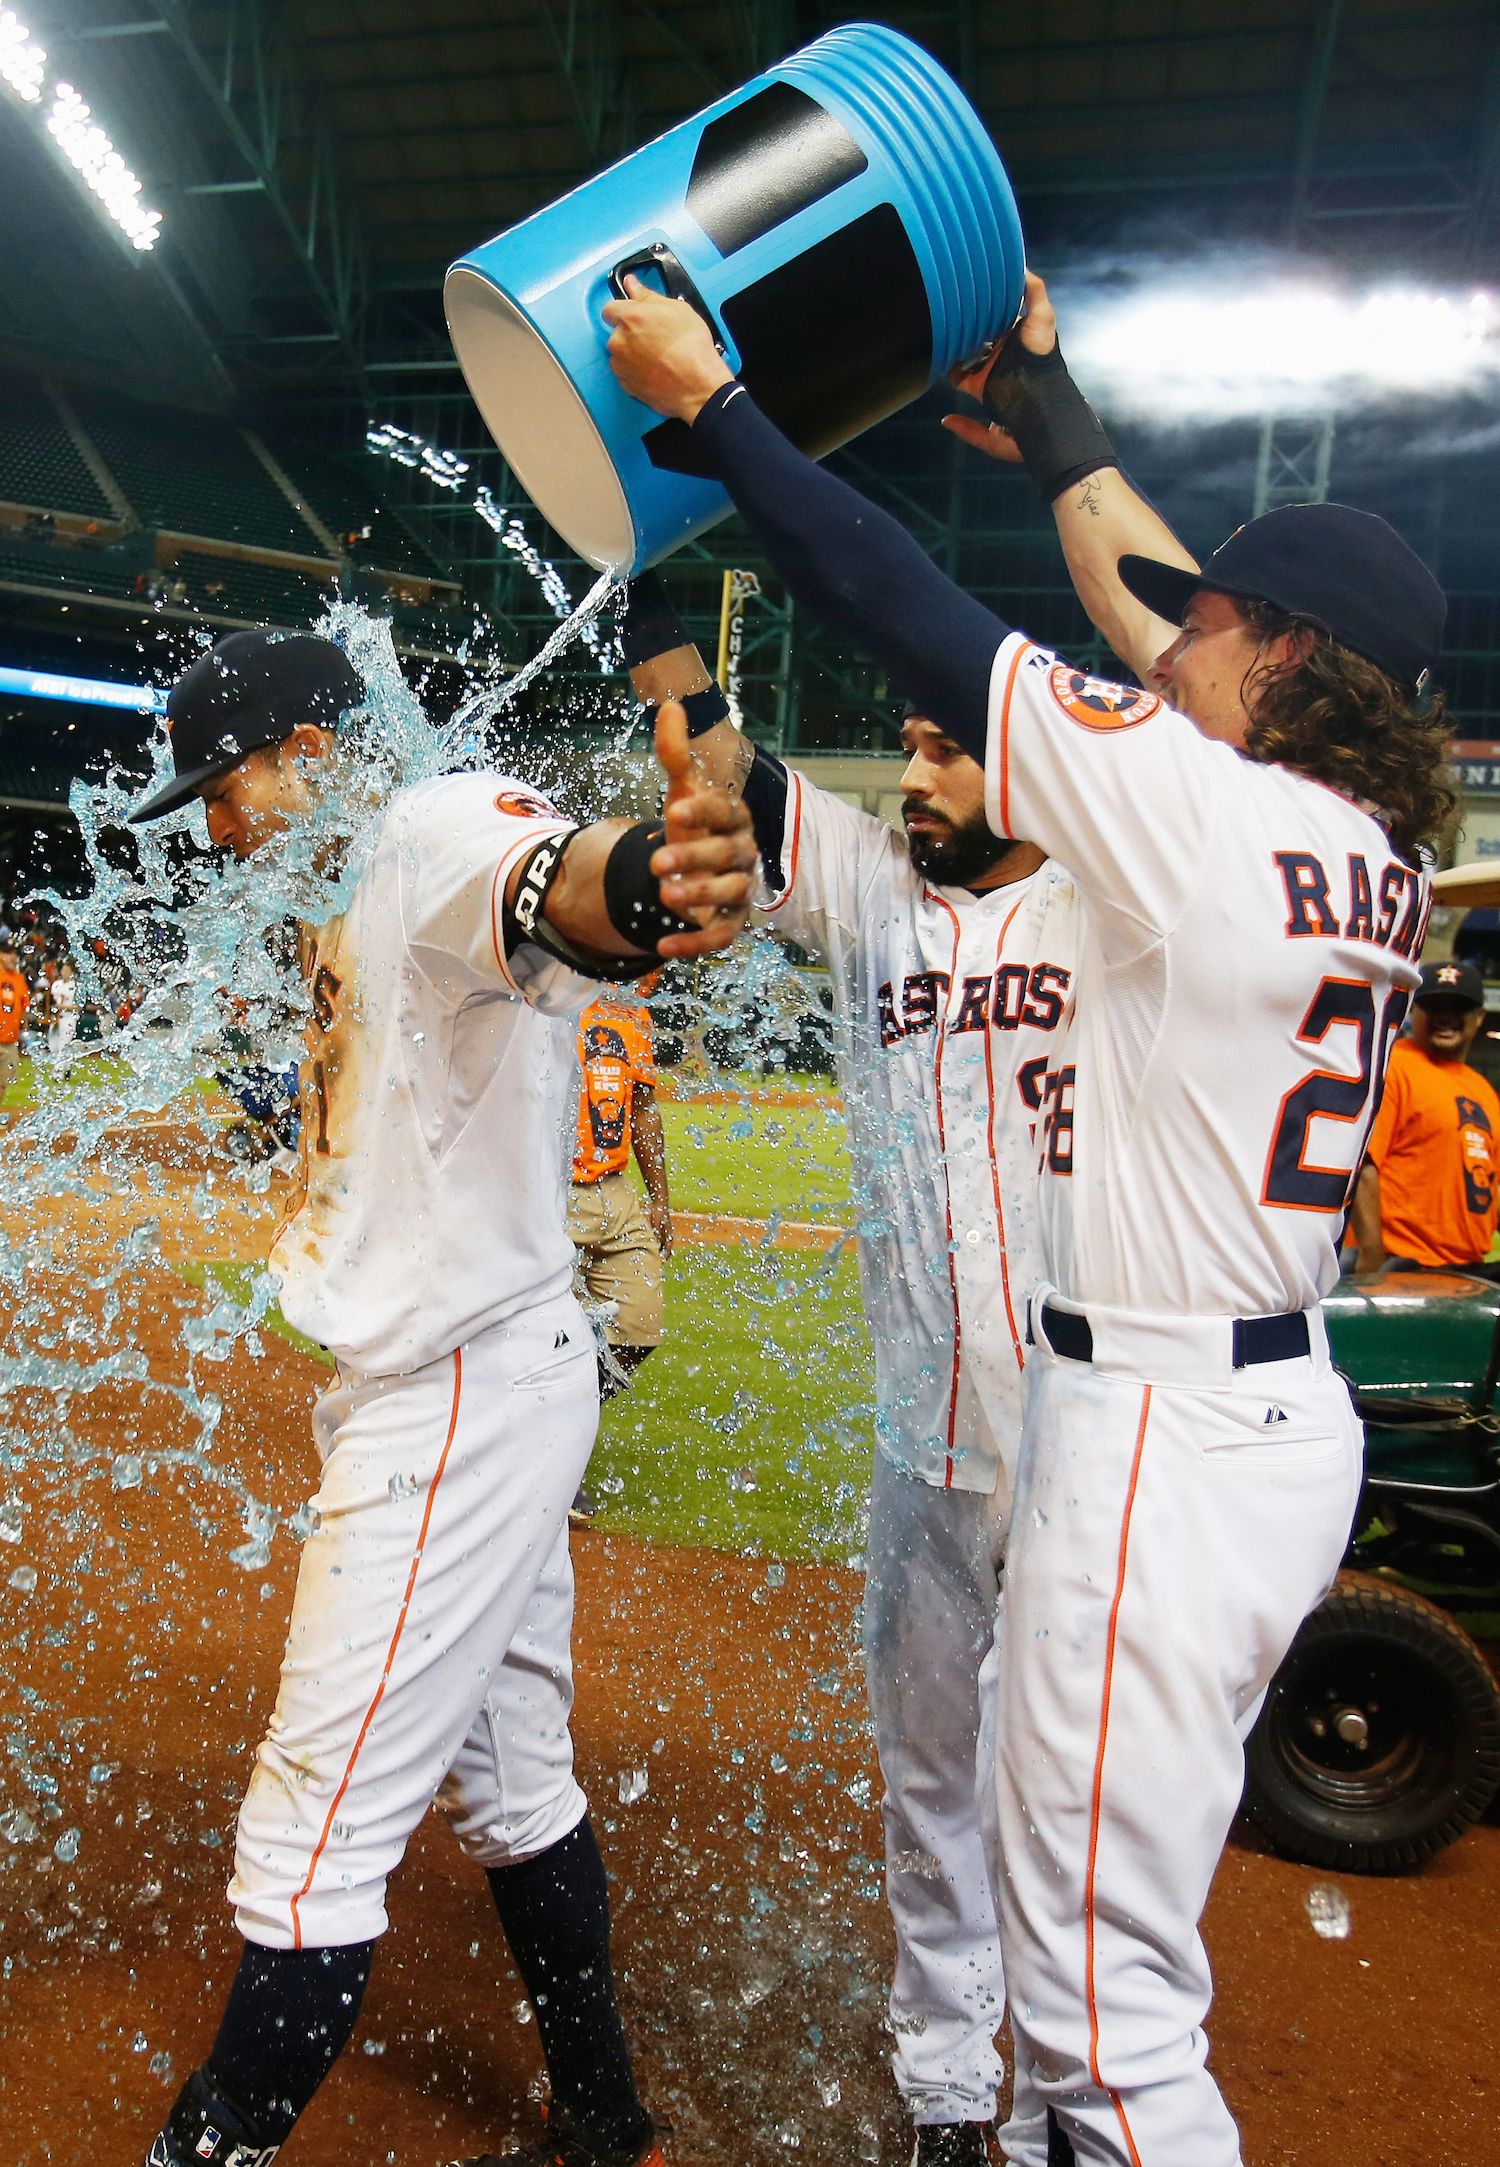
(390, 1653)
(1096, 1803)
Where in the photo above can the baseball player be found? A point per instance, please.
(428, 1650)
(1246, 837)
(951, 953)
(622, 1249)
(62, 1015)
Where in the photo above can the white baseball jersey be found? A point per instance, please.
(949, 1006)
(438, 1093)
(1193, 1186)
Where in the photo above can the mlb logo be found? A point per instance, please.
(207, 2144)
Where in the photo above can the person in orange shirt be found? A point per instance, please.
(15, 999)
(1429, 1190)
(621, 1248)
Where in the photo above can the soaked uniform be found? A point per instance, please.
(428, 1650)
(949, 1007)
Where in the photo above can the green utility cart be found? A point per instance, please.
(1379, 1742)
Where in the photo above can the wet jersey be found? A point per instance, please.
(438, 1092)
(1435, 1143)
(616, 1052)
(1246, 965)
(949, 1005)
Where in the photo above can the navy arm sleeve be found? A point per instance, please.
(856, 568)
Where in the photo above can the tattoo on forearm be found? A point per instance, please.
(1089, 495)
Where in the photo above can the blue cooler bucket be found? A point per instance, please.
(844, 224)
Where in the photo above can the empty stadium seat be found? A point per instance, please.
(40, 465)
(193, 474)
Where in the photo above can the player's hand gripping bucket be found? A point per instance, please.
(844, 224)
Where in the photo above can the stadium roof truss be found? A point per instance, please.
(319, 163)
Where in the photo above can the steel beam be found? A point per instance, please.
(241, 74)
(585, 36)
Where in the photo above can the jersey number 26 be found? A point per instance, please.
(1331, 1095)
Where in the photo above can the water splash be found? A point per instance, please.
(470, 731)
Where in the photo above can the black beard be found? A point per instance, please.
(958, 855)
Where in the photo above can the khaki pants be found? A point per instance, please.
(618, 1260)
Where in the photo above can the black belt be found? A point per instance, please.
(1252, 1339)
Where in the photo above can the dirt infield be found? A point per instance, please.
(751, 1933)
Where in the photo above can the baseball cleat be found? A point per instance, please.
(957, 2144)
(565, 2145)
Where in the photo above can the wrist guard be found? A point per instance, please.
(649, 626)
(525, 919)
(1057, 432)
(705, 709)
(632, 893)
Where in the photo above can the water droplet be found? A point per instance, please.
(920, 1863)
(743, 1479)
(160, 2065)
(139, 2044)
(23, 1579)
(1328, 1908)
(11, 1517)
(830, 2091)
(66, 1846)
(125, 1472)
(401, 1486)
(633, 1785)
(374, 2046)
(522, 2011)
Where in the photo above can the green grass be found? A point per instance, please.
(750, 1427)
(91, 1070)
(236, 1284)
(755, 1161)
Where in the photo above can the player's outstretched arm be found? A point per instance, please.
(832, 549)
(628, 890)
(1037, 417)
(664, 664)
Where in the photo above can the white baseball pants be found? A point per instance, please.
(933, 1572)
(428, 1653)
(1169, 1537)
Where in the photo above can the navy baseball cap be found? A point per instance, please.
(253, 689)
(1452, 981)
(1347, 572)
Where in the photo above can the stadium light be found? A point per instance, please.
(88, 149)
(22, 64)
(1191, 353)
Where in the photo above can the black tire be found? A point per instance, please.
(1393, 1664)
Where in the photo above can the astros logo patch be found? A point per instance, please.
(525, 805)
(1095, 702)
